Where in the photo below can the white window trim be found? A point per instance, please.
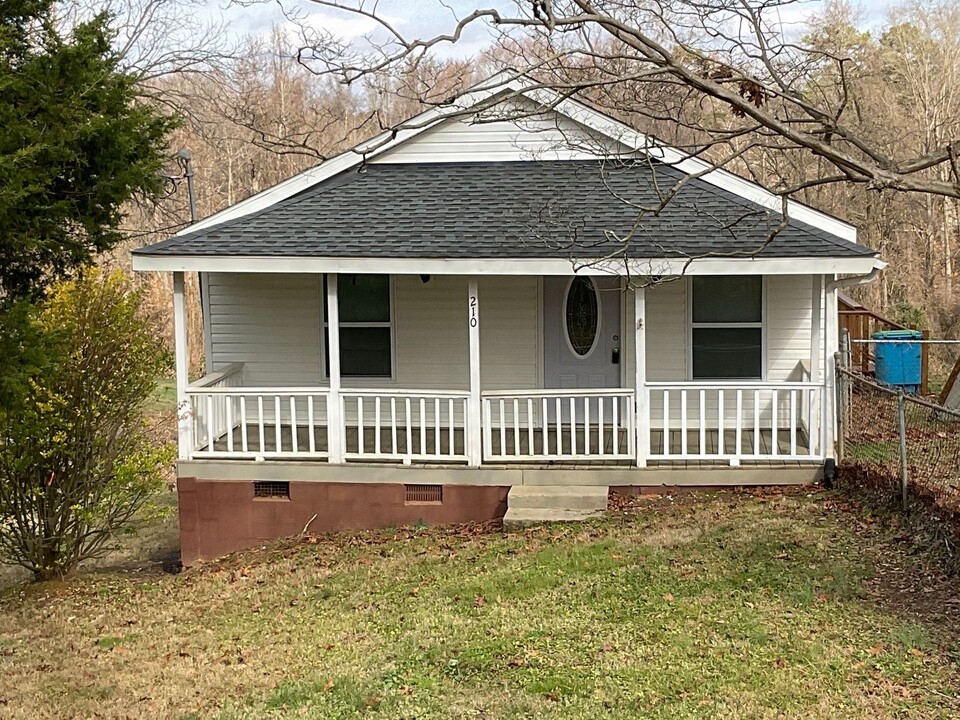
(360, 380)
(691, 325)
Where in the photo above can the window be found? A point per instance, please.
(727, 327)
(582, 315)
(366, 335)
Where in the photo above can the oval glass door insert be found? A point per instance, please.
(582, 315)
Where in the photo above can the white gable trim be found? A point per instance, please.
(496, 266)
(576, 111)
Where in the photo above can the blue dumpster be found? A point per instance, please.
(899, 363)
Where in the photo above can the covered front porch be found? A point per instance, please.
(650, 414)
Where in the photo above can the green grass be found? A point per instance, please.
(875, 451)
(164, 397)
(716, 606)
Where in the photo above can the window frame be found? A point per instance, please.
(347, 380)
(762, 325)
(598, 334)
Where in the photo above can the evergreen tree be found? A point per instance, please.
(76, 144)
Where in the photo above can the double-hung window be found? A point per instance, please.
(366, 334)
(727, 327)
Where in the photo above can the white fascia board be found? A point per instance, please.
(525, 266)
(353, 157)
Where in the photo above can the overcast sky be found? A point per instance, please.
(425, 18)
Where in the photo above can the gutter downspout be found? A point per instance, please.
(857, 279)
(830, 344)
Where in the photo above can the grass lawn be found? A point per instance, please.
(706, 606)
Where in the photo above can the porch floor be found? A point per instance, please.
(510, 442)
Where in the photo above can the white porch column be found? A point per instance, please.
(335, 427)
(642, 422)
(182, 351)
(830, 347)
(816, 354)
(474, 445)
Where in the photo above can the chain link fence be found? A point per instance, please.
(902, 450)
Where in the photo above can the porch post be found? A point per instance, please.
(816, 338)
(335, 428)
(474, 446)
(642, 422)
(182, 353)
(830, 345)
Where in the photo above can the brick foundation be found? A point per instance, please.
(222, 516)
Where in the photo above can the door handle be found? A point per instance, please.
(615, 356)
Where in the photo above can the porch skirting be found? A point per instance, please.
(220, 512)
(223, 516)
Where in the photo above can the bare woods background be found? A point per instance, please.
(255, 112)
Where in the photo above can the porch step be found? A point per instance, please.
(538, 504)
(558, 497)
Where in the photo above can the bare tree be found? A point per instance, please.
(751, 72)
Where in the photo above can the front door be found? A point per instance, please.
(581, 332)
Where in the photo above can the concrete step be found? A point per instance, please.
(519, 518)
(558, 497)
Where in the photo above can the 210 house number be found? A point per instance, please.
(473, 311)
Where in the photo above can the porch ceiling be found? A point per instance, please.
(556, 210)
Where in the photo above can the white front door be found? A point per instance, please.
(581, 332)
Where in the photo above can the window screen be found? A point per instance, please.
(366, 337)
(728, 299)
(727, 333)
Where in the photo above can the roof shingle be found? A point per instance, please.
(530, 209)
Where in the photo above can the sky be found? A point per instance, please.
(426, 18)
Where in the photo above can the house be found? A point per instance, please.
(489, 312)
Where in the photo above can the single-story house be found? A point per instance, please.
(492, 310)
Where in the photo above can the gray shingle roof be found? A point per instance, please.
(508, 210)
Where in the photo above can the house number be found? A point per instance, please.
(473, 311)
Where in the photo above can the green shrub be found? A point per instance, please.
(909, 315)
(77, 466)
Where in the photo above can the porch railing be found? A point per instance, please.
(734, 421)
(530, 425)
(685, 421)
(249, 422)
(405, 425)
(210, 418)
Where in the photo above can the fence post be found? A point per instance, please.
(924, 362)
(902, 427)
(839, 389)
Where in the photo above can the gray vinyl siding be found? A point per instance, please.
(271, 324)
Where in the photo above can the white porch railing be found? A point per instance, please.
(734, 421)
(406, 425)
(715, 421)
(530, 425)
(230, 421)
(210, 418)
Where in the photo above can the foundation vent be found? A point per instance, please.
(423, 493)
(265, 489)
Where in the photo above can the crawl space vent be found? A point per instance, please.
(423, 493)
(271, 490)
